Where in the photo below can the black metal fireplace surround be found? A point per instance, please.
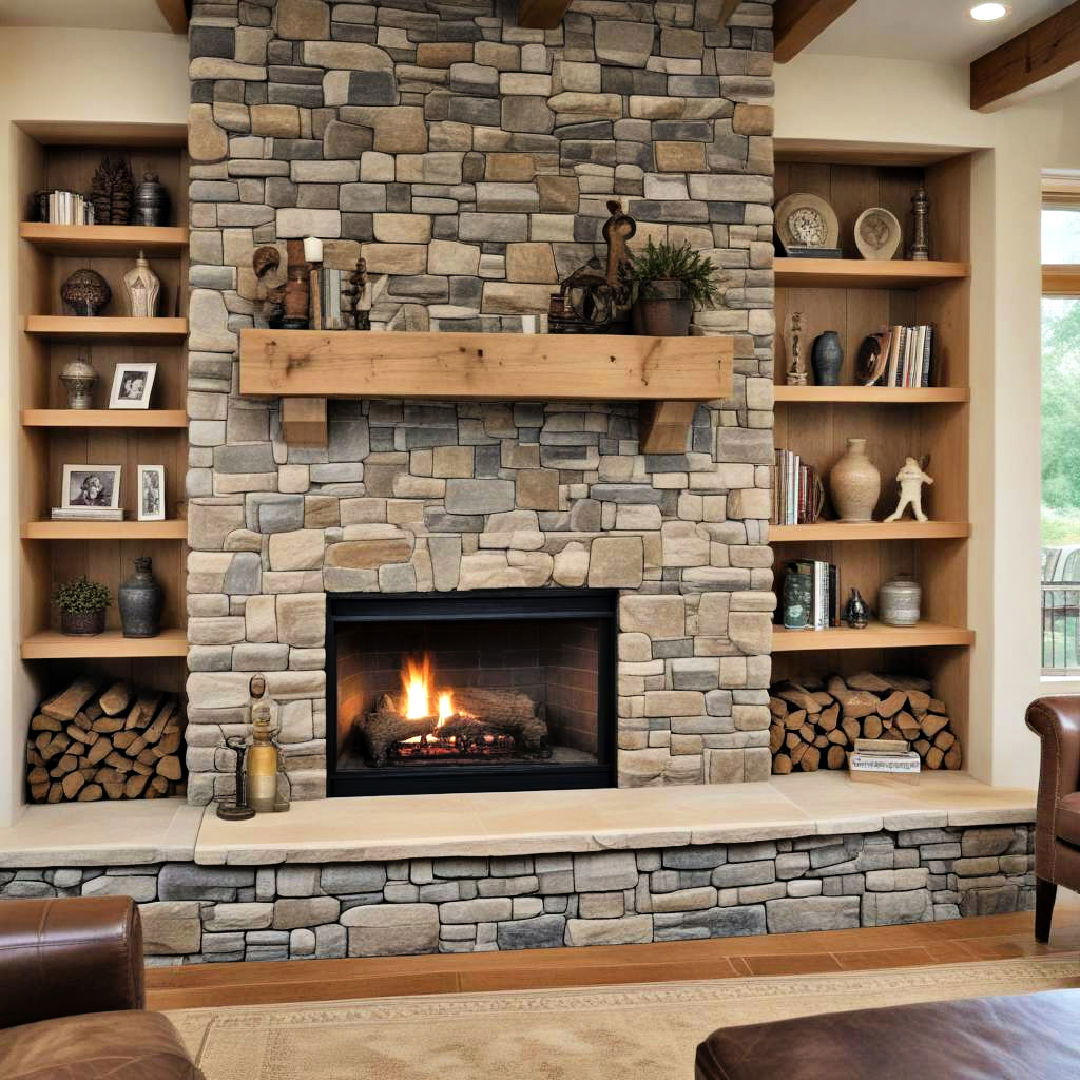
(494, 690)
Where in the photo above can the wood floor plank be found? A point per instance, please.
(793, 964)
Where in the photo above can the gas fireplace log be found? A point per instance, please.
(814, 723)
(481, 712)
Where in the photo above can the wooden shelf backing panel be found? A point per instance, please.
(870, 395)
(105, 240)
(875, 636)
(49, 644)
(102, 326)
(105, 418)
(105, 530)
(553, 367)
(820, 437)
(873, 531)
(865, 273)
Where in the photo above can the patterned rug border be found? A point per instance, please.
(556, 999)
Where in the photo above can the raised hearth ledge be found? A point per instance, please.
(384, 828)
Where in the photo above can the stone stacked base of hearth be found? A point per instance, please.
(204, 914)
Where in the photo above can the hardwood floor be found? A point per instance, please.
(994, 937)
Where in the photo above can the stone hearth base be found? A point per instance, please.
(707, 864)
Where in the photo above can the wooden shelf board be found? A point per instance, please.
(875, 636)
(106, 326)
(865, 273)
(49, 645)
(870, 395)
(871, 530)
(105, 418)
(521, 367)
(175, 529)
(104, 240)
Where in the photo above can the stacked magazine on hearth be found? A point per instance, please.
(883, 756)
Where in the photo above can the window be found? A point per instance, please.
(1061, 431)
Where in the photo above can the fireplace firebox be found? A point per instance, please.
(507, 690)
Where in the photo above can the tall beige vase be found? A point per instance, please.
(855, 484)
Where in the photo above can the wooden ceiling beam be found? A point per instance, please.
(541, 14)
(1042, 58)
(176, 14)
(797, 22)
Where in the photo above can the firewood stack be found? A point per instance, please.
(815, 723)
(91, 742)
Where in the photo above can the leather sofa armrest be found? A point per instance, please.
(67, 957)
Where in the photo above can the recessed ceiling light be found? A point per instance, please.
(988, 12)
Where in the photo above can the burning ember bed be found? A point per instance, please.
(463, 724)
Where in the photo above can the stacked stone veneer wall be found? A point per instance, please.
(469, 161)
(198, 914)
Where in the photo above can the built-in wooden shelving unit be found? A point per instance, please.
(856, 297)
(61, 155)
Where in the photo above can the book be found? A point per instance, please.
(811, 599)
(907, 353)
(87, 513)
(882, 746)
(884, 763)
(798, 598)
(796, 489)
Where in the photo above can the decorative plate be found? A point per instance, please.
(806, 221)
(877, 233)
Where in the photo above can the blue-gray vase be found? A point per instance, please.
(827, 358)
(139, 600)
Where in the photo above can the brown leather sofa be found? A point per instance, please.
(1031, 1037)
(1056, 720)
(71, 995)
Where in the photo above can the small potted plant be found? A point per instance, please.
(82, 605)
(668, 282)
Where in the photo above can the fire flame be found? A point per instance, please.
(416, 687)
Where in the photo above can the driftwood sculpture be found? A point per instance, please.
(479, 713)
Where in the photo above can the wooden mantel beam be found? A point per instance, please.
(176, 14)
(1042, 58)
(797, 22)
(541, 14)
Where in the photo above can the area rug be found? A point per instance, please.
(647, 1031)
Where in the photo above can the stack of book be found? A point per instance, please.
(87, 513)
(883, 756)
(811, 595)
(796, 490)
(65, 208)
(905, 358)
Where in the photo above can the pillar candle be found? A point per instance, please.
(313, 249)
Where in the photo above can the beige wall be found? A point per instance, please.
(72, 75)
(849, 98)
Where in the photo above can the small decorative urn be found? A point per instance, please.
(139, 600)
(151, 201)
(79, 378)
(857, 611)
(142, 286)
(86, 292)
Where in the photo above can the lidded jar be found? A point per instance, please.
(900, 602)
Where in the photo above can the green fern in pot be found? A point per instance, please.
(668, 282)
(82, 605)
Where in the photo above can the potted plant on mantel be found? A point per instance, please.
(82, 605)
(668, 282)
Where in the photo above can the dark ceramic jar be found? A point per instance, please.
(139, 600)
(826, 358)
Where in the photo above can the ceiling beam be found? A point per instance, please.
(797, 22)
(541, 14)
(176, 14)
(1042, 58)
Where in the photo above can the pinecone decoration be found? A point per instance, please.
(112, 192)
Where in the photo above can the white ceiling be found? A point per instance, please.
(97, 14)
(937, 31)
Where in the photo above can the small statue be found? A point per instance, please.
(796, 372)
(911, 479)
(265, 260)
(238, 809)
(920, 213)
(358, 280)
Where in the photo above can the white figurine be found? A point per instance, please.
(911, 479)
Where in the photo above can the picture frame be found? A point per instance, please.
(132, 386)
(90, 486)
(151, 493)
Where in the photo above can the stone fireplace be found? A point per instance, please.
(470, 161)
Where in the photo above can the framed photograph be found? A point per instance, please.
(132, 386)
(91, 485)
(151, 493)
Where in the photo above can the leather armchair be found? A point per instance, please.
(1056, 720)
(71, 995)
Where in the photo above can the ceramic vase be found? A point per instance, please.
(855, 484)
(79, 377)
(900, 602)
(826, 358)
(139, 601)
(857, 611)
(141, 286)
